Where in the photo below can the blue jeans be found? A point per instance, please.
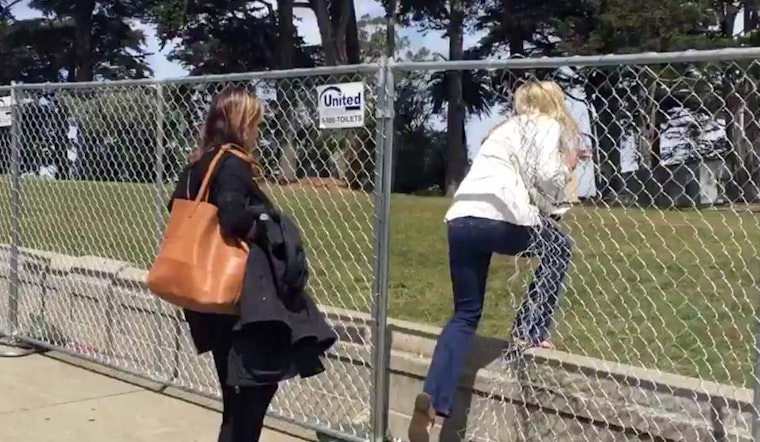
(472, 242)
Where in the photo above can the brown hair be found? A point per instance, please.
(233, 118)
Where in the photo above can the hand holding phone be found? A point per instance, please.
(574, 155)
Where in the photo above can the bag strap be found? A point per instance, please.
(203, 192)
(231, 149)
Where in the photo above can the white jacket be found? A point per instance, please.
(518, 175)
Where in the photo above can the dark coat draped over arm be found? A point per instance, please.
(280, 332)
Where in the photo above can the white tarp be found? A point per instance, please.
(5, 111)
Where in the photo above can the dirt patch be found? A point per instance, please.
(752, 208)
(311, 183)
(318, 183)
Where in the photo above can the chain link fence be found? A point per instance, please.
(664, 229)
(98, 163)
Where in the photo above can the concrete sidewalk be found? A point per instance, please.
(45, 400)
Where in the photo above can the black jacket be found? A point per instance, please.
(280, 332)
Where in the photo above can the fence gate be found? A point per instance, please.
(96, 164)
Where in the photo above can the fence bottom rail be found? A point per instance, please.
(11, 347)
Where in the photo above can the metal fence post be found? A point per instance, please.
(17, 348)
(756, 376)
(383, 181)
(158, 197)
(158, 211)
(15, 221)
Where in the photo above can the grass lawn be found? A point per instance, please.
(666, 289)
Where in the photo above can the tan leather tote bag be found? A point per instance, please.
(196, 268)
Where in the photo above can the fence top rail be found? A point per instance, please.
(5, 89)
(690, 56)
(366, 68)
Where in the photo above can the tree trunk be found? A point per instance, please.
(516, 41)
(649, 128)
(325, 31)
(463, 126)
(742, 164)
(456, 167)
(752, 162)
(390, 29)
(340, 41)
(286, 30)
(353, 48)
(390, 52)
(752, 189)
(83, 40)
(649, 149)
(601, 87)
(514, 32)
(345, 31)
(339, 18)
(5, 8)
(288, 161)
(736, 137)
(71, 75)
(751, 18)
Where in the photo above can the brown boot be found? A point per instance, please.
(423, 419)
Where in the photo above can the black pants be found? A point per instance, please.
(244, 408)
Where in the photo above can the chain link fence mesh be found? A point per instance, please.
(98, 165)
(665, 231)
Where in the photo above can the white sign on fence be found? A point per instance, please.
(341, 105)
(5, 111)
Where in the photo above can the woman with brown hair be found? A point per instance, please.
(279, 333)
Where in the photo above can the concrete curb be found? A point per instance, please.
(101, 310)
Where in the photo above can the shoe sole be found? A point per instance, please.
(419, 427)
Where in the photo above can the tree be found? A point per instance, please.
(5, 8)
(6, 50)
(451, 17)
(220, 36)
(48, 49)
(34, 51)
(31, 50)
(634, 102)
(286, 34)
(338, 30)
(373, 41)
(457, 151)
(419, 146)
(286, 46)
(126, 151)
(188, 19)
(100, 40)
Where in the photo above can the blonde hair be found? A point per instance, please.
(545, 98)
